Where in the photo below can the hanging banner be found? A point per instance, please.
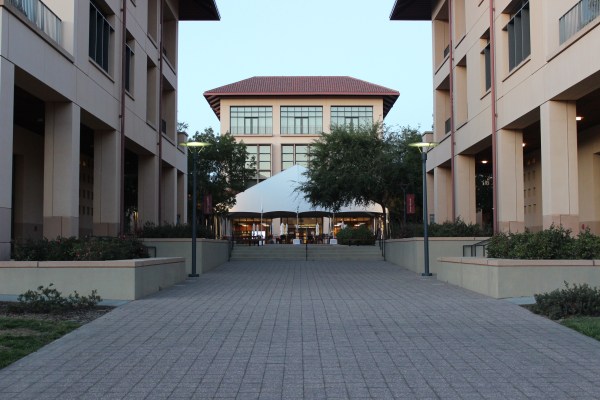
(410, 203)
(207, 204)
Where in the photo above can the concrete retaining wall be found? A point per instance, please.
(408, 253)
(500, 278)
(114, 280)
(209, 253)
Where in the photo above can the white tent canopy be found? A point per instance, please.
(277, 196)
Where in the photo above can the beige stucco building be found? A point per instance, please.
(278, 117)
(516, 99)
(88, 136)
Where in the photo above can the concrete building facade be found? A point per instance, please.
(279, 117)
(516, 100)
(88, 136)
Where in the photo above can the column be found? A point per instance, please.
(107, 182)
(169, 194)
(510, 186)
(7, 96)
(61, 170)
(442, 194)
(148, 189)
(464, 184)
(560, 189)
(182, 199)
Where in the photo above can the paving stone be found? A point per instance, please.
(300, 330)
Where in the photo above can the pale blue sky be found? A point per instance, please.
(310, 37)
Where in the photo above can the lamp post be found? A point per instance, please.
(424, 148)
(196, 146)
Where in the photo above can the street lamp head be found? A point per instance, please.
(424, 146)
(194, 144)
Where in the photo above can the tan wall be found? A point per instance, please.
(114, 280)
(209, 253)
(408, 253)
(516, 278)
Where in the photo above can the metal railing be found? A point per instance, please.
(577, 18)
(41, 16)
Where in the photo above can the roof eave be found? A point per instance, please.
(198, 10)
(412, 10)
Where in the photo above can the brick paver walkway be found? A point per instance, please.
(312, 330)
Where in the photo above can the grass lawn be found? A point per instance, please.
(589, 326)
(19, 337)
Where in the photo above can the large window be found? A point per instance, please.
(355, 116)
(251, 120)
(261, 155)
(519, 45)
(100, 37)
(129, 66)
(301, 120)
(294, 154)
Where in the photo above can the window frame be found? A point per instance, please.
(308, 118)
(249, 117)
(294, 155)
(518, 31)
(352, 110)
(100, 50)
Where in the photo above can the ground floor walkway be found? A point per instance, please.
(312, 330)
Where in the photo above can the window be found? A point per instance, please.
(355, 116)
(100, 36)
(294, 154)
(301, 120)
(129, 66)
(488, 65)
(261, 155)
(519, 46)
(251, 120)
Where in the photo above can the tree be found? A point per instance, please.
(221, 167)
(361, 164)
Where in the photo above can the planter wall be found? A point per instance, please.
(500, 278)
(209, 253)
(408, 253)
(114, 280)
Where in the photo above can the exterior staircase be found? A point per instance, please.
(300, 253)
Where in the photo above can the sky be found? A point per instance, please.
(309, 37)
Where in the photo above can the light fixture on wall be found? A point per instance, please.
(578, 118)
(484, 161)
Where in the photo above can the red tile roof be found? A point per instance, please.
(301, 86)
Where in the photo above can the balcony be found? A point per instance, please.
(577, 18)
(41, 16)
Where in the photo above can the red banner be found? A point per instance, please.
(410, 203)
(207, 204)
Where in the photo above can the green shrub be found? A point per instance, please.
(150, 230)
(49, 300)
(458, 228)
(83, 249)
(554, 243)
(357, 236)
(576, 300)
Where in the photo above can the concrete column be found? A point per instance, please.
(430, 202)
(560, 188)
(464, 184)
(169, 194)
(148, 189)
(61, 170)
(7, 97)
(442, 194)
(107, 170)
(511, 202)
(181, 197)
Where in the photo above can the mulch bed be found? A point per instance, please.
(79, 316)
